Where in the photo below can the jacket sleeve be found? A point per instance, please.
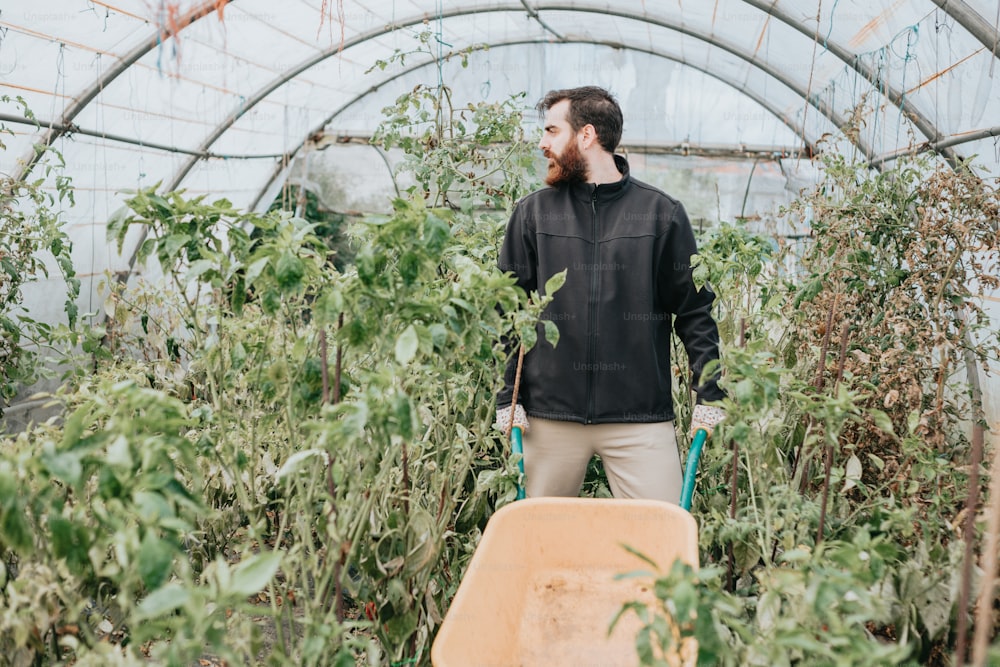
(692, 307)
(518, 255)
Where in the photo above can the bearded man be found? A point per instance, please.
(626, 247)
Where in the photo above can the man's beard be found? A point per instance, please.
(566, 169)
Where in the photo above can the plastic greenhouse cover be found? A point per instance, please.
(219, 97)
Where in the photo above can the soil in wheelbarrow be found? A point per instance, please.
(567, 614)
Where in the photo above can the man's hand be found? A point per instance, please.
(706, 417)
(503, 424)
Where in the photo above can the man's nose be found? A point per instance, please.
(543, 144)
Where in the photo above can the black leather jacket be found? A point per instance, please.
(627, 250)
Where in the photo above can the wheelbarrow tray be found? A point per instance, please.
(542, 586)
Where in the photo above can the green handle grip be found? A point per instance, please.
(517, 447)
(691, 468)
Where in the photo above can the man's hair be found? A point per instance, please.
(589, 105)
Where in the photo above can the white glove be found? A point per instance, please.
(502, 423)
(706, 417)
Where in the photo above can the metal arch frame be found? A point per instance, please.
(895, 96)
(762, 101)
(921, 122)
(965, 17)
(113, 72)
(314, 60)
(974, 22)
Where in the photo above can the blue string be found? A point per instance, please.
(161, 22)
(440, 43)
(828, 32)
(912, 36)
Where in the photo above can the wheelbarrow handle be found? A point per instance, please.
(517, 447)
(691, 467)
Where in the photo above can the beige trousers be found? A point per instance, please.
(640, 460)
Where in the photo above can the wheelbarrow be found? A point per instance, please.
(542, 587)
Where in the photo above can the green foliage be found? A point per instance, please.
(277, 461)
(463, 157)
(878, 583)
(814, 608)
(31, 228)
(97, 519)
(329, 226)
(283, 460)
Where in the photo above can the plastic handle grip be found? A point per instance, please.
(517, 447)
(691, 468)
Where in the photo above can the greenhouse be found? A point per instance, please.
(270, 273)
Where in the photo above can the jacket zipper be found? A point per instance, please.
(591, 340)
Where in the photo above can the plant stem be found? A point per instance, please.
(818, 385)
(828, 458)
(324, 361)
(734, 479)
(972, 499)
(406, 478)
(338, 364)
(991, 549)
(338, 604)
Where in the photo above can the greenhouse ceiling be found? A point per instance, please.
(221, 96)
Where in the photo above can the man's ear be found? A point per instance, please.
(588, 135)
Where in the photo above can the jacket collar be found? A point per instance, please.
(604, 191)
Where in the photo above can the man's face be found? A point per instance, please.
(560, 145)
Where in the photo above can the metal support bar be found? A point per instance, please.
(736, 151)
(533, 13)
(60, 129)
(938, 145)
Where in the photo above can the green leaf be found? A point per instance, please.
(399, 628)
(253, 574)
(553, 284)
(151, 507)
(15, 531)
(409, 267)
(238, 355)
(439, 335)
(747, 554)
(69, 541)
(119, 453)
(551, 332)
(882, 421)
(118, 225)
(406, 345)
(289, 271)
(852, 473)
(199, 268)
(162, 600)
(145, 250)
(768, 610)
(296, 461)
(329, 305)
(170, 246)
(74, 426)
(344, 658)
(436, 233)
(403, 414)
(155, 558)
(65, 467)
(255, 269)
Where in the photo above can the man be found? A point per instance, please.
(626, 248)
